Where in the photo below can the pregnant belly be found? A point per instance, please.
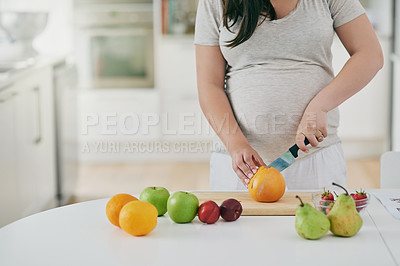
(266, 114)
(269, 106)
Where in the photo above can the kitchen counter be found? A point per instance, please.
(16, 74)
(80, 234)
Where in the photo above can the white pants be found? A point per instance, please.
(315, 172)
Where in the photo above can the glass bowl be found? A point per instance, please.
(325, 206)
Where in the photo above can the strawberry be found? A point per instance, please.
(329, 207)
(326, 200)
(359, 199)
(327, 195)
(327, 211)
(360, 195)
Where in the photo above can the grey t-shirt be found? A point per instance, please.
(271, 78)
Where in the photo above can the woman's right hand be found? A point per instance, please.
(245, 161)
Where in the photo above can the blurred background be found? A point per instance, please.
(99, 97)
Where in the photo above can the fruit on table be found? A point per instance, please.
(310, 223)
(327, 200)
(138, 218)
(327, 195)
(231, 209)
(360, 198)
(344, 218)
(359, 195)
(158, 196)
(328, 209)
(209, 212)
(267, 185)
(182, 207)
(114, 206)
(325, 206)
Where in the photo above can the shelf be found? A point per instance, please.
(178, 16)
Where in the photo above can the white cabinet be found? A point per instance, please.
(35, 140)
(9, 203)
(29, 175)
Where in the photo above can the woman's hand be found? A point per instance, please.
(245, 161)
(312, 126)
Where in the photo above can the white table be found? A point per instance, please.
(388, 227)
(80, 234)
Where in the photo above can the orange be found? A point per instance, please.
(138, 218)
(115, 205)
(267, 185)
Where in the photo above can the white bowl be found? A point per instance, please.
(23, 26)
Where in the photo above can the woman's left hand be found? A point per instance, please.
(312, 126)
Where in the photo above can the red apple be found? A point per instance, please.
(208, 212)
(231, 209)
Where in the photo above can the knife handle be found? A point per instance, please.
(295, 149)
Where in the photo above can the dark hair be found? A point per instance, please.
(249, 12)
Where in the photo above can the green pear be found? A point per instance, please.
(344, 217)
(310, 223)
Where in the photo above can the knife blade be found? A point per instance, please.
(288, 158)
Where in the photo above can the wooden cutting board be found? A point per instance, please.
(285, 206)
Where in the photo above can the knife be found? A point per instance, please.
(287, 159)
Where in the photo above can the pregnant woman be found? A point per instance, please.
(265, 82)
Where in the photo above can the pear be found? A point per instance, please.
(345, 220)
(310, 223)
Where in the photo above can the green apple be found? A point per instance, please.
(182, 207)
(158, 196)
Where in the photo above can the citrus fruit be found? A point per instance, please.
(267, 185)
(114, 206)
(138, 218)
